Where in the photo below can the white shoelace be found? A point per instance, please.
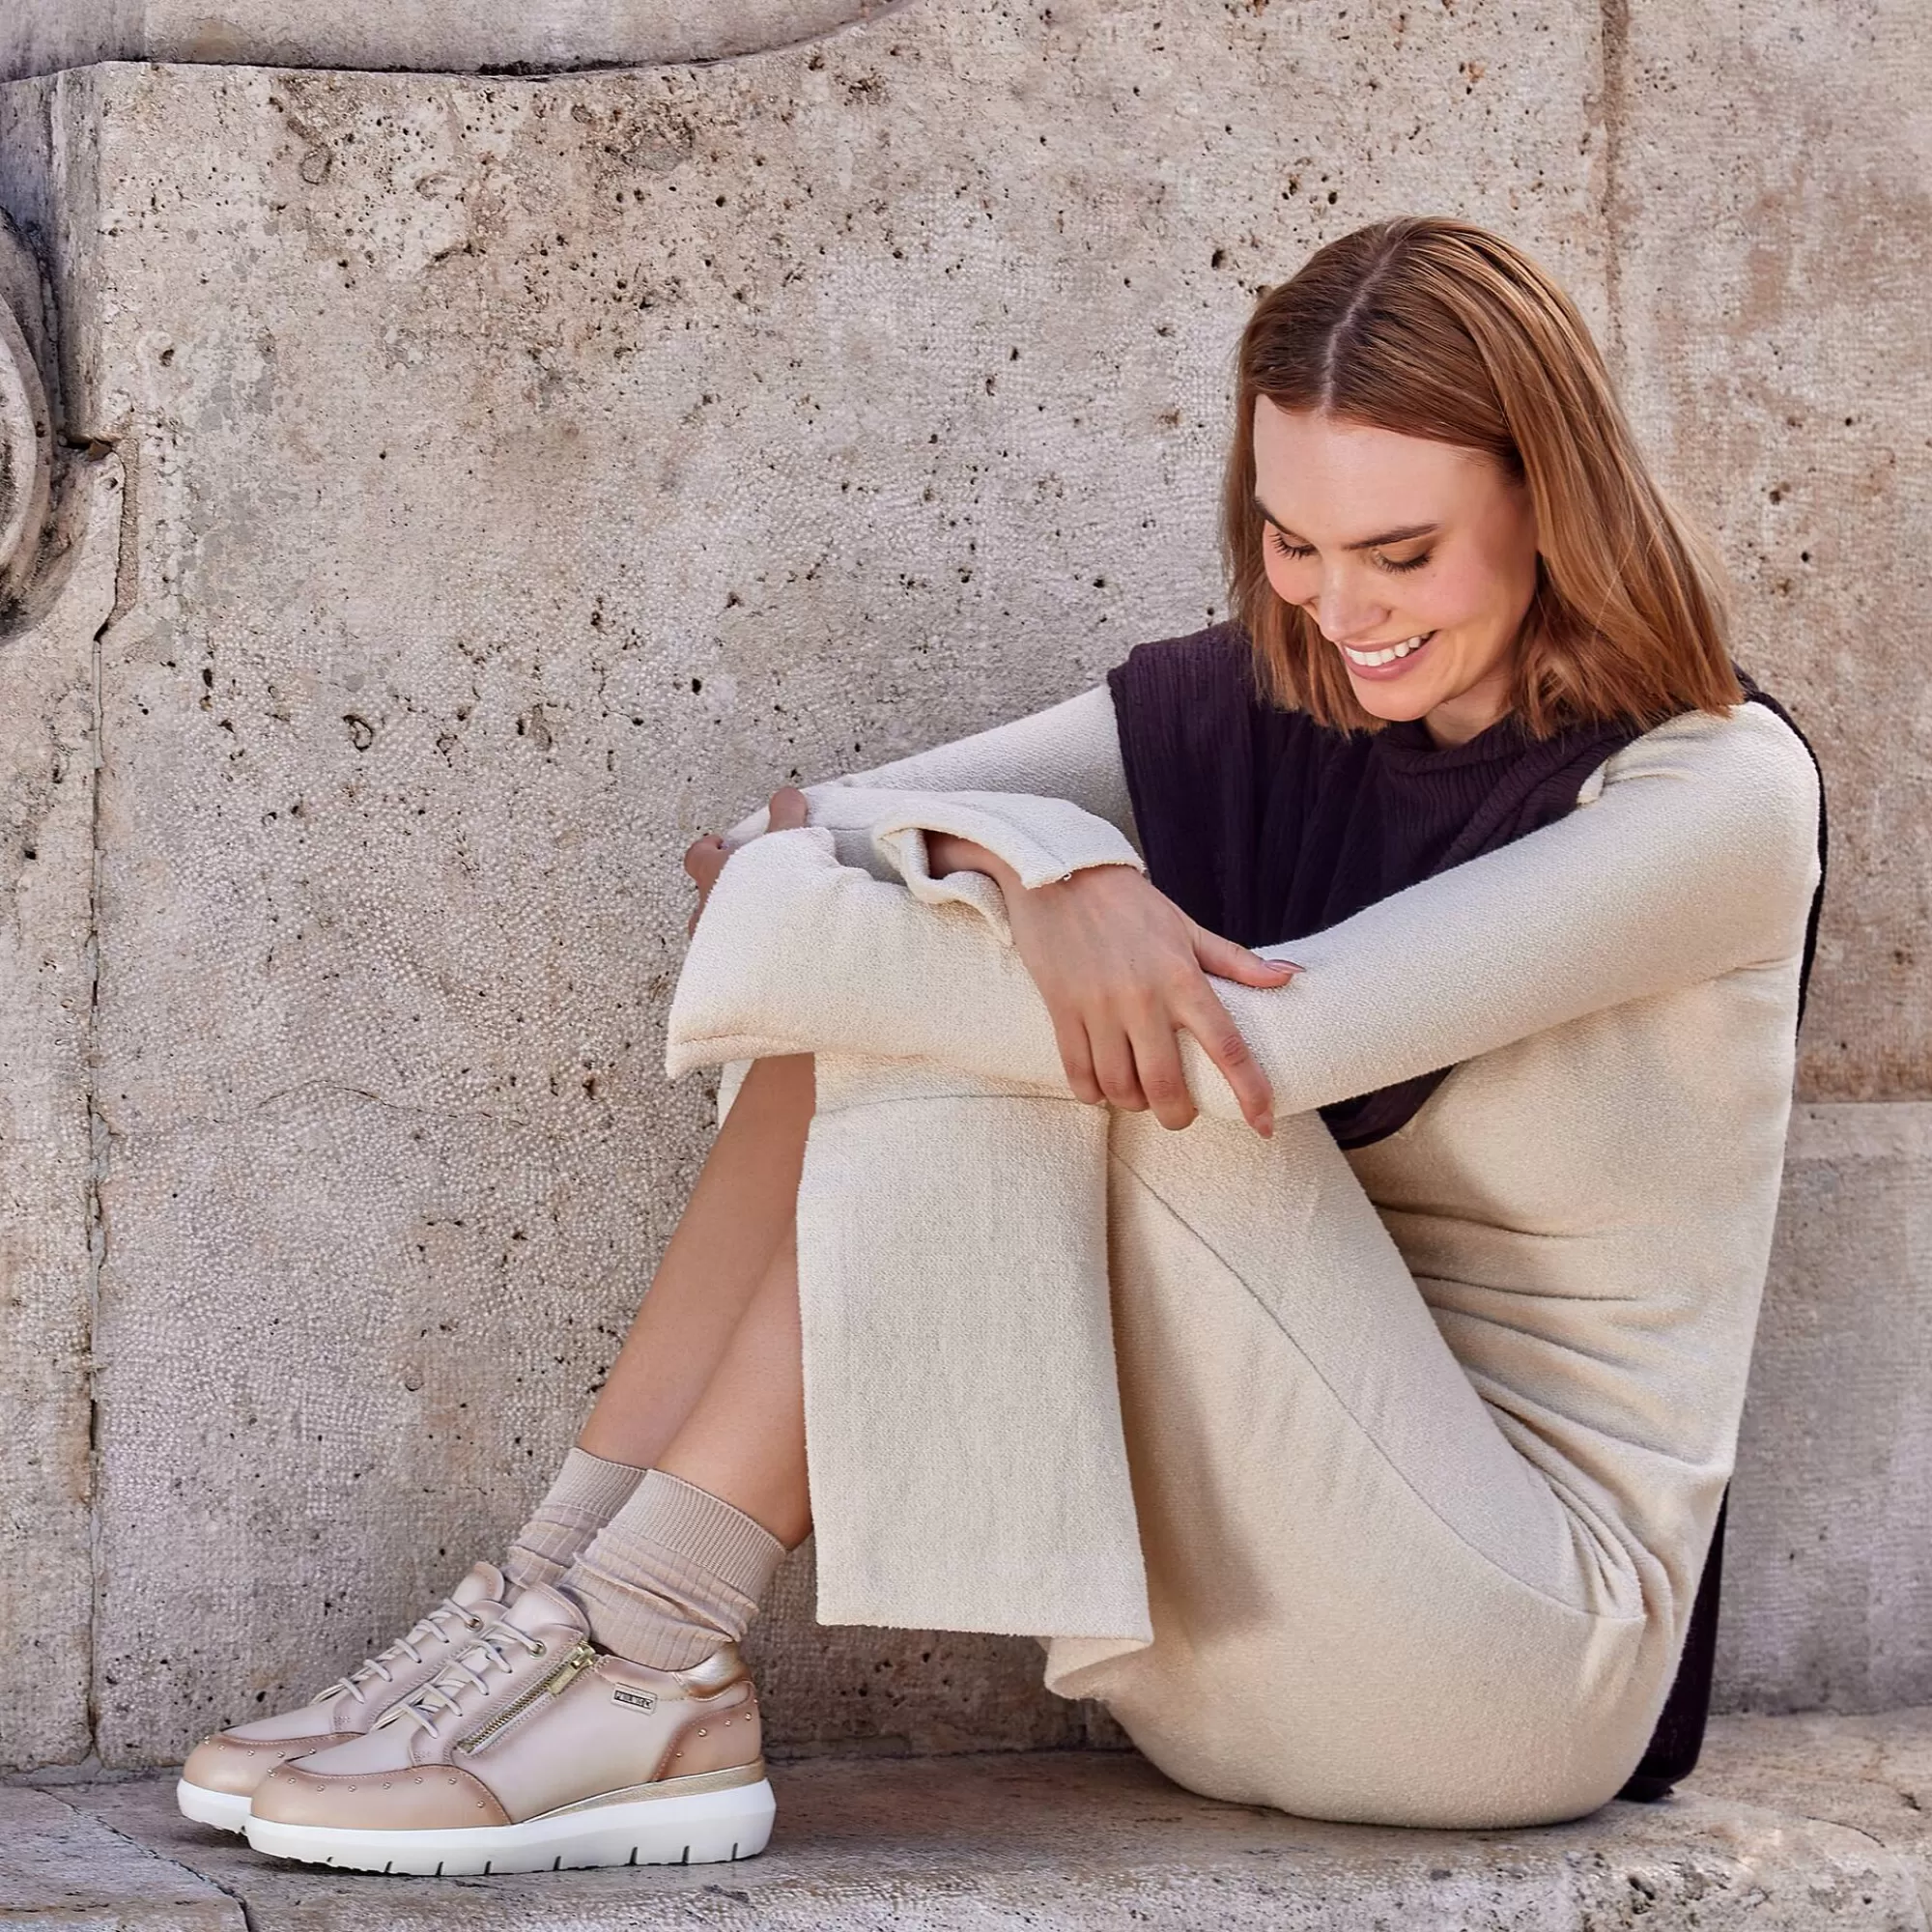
(425, 1630)
(442, 1694)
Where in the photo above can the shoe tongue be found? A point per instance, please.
(540, 1608)
(484, 1584)
(533, 1610)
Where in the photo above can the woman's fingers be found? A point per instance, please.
(788, 809)
(1220, 1038)
(1124, 972)
(1236, 962)
(1157, 1064)
(1070, 1036)
(703, 860)
(1113, 1055)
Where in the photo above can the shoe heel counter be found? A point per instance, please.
(720, 1734)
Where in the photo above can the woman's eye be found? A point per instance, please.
(1282, 548)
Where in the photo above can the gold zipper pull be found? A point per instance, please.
(580, 1659)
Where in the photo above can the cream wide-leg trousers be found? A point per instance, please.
(1195, 1424)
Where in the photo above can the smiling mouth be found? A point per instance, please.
(1371, 659)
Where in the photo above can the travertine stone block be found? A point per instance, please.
(526, 476)
(1827, 1584)
(62, 1870)
(1771, 200)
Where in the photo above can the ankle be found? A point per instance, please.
(674, 1576)
(587, 1492)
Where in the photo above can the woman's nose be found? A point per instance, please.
(1344, 613)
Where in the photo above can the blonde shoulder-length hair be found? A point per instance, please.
(1434, 327)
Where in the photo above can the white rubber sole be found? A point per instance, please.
(706, 1828)
(227, 1810)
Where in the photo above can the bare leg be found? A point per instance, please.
(738, 1221)
(744, 1440)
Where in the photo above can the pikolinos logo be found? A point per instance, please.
(644, 1701)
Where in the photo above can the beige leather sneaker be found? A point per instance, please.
(531, 1751)
(222, 1772)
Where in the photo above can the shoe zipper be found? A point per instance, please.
(582, 1658)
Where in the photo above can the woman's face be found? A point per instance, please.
(1394, 541)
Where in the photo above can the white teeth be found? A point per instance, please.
(1388, 656)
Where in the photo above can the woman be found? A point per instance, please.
(1333, 1350)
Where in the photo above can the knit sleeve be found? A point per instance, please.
(1068, 751)
(1692, 853)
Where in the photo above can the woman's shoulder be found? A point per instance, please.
(1745, 769)
(1201, 695)
(1213, 664)
(1749, 746)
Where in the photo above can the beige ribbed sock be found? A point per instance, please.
(674, 1574)
(588, 1492)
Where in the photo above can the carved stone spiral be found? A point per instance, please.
(26, 422)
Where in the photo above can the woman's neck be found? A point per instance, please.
(1458, 719)
(1453, 724)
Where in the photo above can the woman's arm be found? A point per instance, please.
(1070, 751)
(1698, 856)
(994, 820)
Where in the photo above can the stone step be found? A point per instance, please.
(1792, 1823)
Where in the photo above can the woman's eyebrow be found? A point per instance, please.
(1367, 542)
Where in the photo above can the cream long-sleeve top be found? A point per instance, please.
(1587, 1203)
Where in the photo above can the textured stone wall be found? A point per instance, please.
(523, 474)
(1771, 195)
(1770, 205)
(1827, 1582)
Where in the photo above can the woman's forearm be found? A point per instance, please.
(1700, 858)
(1070, 751)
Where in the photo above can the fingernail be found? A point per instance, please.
(1267, 1127)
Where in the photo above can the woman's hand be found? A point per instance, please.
(1122, 969)
(704, 858)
